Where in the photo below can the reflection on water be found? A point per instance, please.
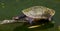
(25, 27)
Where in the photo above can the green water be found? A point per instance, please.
(10, 8)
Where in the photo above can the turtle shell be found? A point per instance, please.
(38, 12)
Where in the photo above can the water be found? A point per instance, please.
(13, 8)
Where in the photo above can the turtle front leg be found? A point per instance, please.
(30, 20)
(50, 18)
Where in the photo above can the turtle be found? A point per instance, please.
(36, 13)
